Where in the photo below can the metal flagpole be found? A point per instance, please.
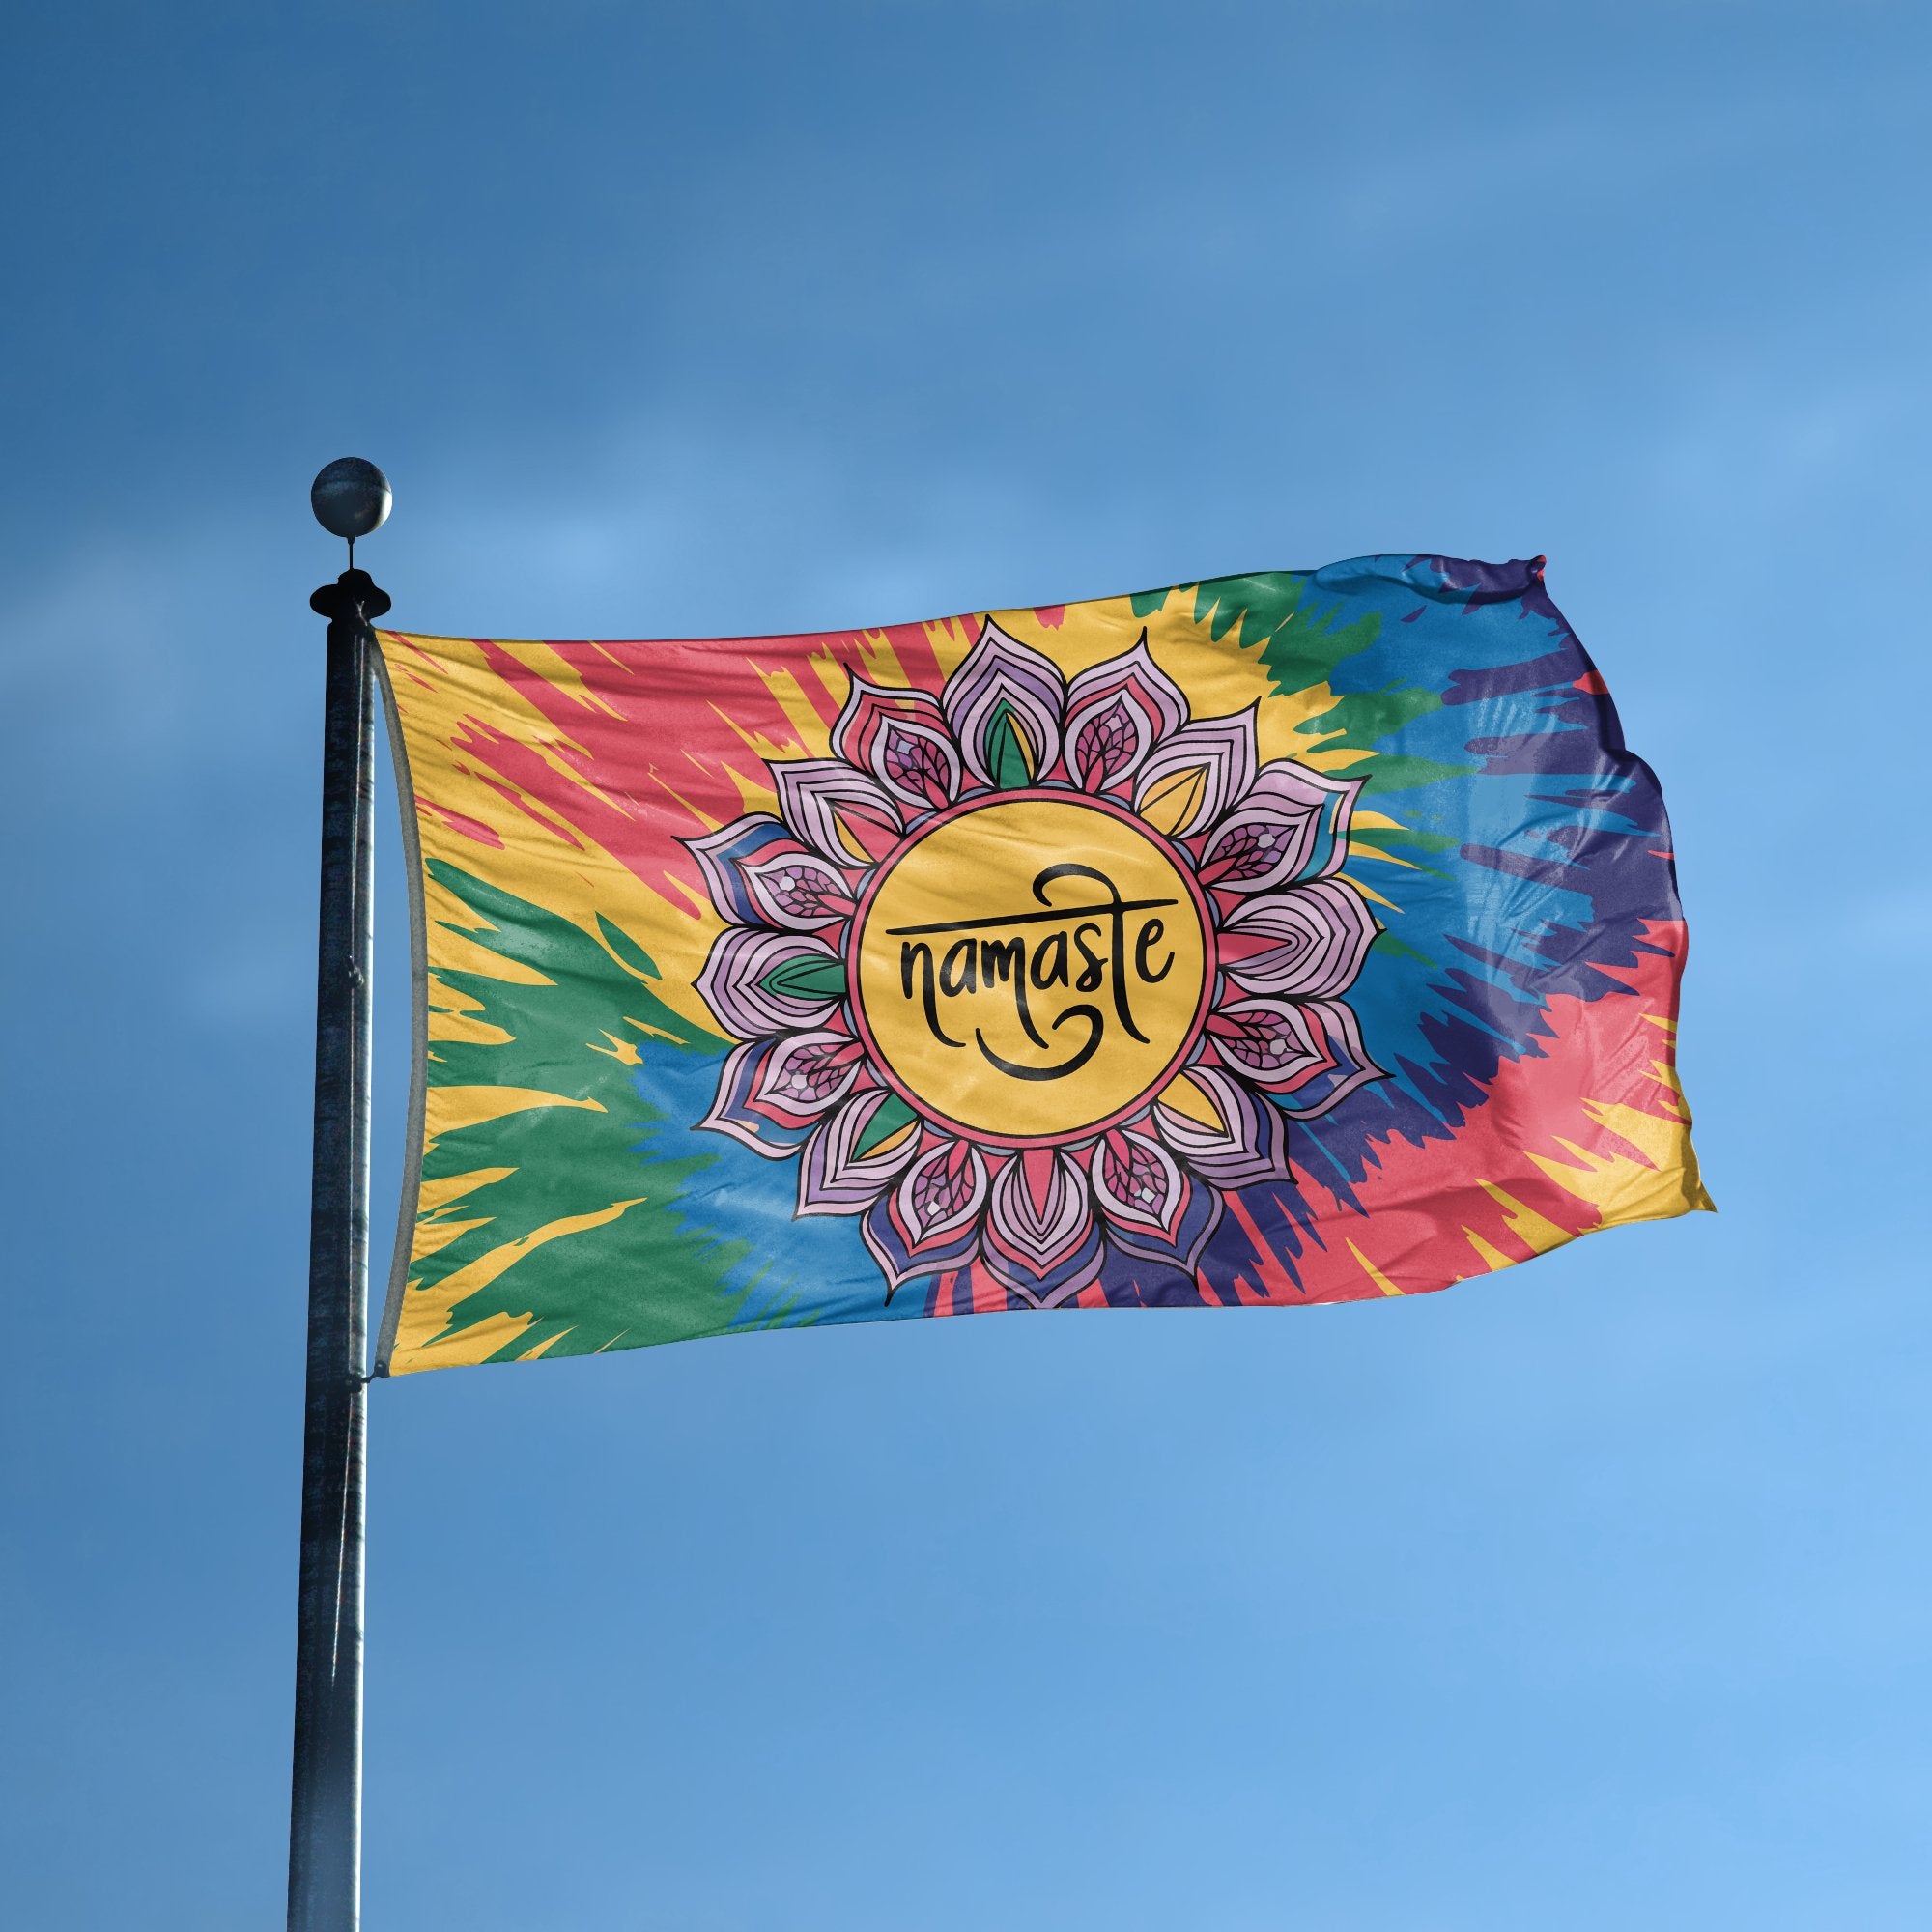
(351, 497)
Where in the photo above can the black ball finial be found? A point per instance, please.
(349, 498)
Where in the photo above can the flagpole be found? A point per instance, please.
(351, 499)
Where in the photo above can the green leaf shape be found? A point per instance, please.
(1007, 750)
(803, 976)
(892, 1116)
(650, 1274)
(1362, 719)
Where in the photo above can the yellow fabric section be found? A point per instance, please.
(446, 1109)
(433, 1235)
(1660, 1180)
(438, 1203)
(452, 1187)
(1534, 1230)
(1491, 1256)
(452, 1016)
(448, 919)
(1374, 1273)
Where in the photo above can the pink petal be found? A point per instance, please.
(1041, 1211)
(1136, 1180)
(805, 1074)
(942, 1191)
(1271, 1043)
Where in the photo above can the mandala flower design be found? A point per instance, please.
(1033, 973)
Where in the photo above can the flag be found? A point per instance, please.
(1293, 938)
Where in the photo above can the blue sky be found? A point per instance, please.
(1593, 1595)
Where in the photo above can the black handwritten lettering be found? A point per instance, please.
(1000, 961)
(958, 973)
(1049, 962)
(909, 949)
(1096, 1026)
(1117, 909)
(972, 967)
(1151, 936)
(1095, 969)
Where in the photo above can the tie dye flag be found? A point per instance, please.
(1281, 939)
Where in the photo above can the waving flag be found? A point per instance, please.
(1293, 938)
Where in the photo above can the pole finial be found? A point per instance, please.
(349, 498)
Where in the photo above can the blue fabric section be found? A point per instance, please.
(1558, 853)
(802, 1268)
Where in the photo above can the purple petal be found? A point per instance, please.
(1303, 941)
(843, 813)
(805, 1074)
(901, 738)
(722, 856)
(1271, 1043)
(757, 981)
(1040, 1238)
(834, 1177)
(1200, 1215)
(1039, 1207)
(1139, 1184)
(1292, 824)
(945, 1189)
(733, 1112)
(1247, 1143)
(1155, 1208)
(1003, 675)
(1192, 778)
(1116, 712)
(930, 1220)
(798, 888)
(1351, 1065)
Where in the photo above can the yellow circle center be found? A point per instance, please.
(1030, 968)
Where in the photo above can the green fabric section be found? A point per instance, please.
(588, 1288)
(1397, 949)
(1385, 838)
(1402, 844)
(1302, 645)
